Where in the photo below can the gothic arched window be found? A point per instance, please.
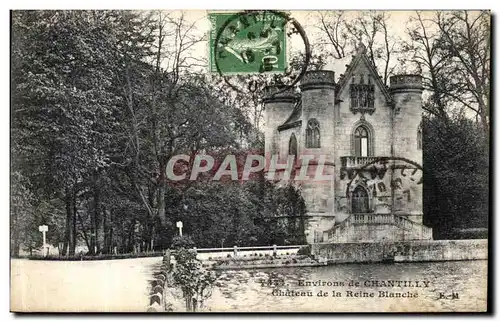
(361, 141)
(312, 134)
(419, 137)
(292, 145)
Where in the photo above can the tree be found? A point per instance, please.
(62, 100)
(344, 31)
(456, 176)
(195, 281)
(431, 61)
(250, 213)
(466, 36)
(22, 219)
(452, 51)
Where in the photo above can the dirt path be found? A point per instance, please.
(85, 286)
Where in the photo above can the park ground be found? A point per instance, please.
(81, 286)
(120, 285)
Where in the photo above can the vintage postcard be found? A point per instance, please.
(249, 161)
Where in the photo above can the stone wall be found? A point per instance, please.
(408, 251)
(277, 109)
(379, 123)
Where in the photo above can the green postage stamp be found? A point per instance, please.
(247, 42)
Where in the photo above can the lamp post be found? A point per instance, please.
(179, 225)
(44, 229)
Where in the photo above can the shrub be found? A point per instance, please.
(260, 255)
(306, 250)
(182, 242)
(191, 276)
(294, 261)
(287, 253)
(228, 256)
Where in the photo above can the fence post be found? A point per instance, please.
(166, 258)
(235, 251)
(275, 251)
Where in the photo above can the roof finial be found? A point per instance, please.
(361, 48)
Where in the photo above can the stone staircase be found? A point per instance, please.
(377, 227)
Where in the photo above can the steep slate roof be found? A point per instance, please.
(294, 119)
(361, 56)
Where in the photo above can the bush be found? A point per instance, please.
(306, 250)
(193, 278)
(182, 242)
(260, 255)
(228, 256)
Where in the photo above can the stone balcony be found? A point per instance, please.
(357, 227)
(351, 162)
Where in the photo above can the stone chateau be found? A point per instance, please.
(371, 137)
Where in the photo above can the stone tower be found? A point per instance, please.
(318, 100)
(406, 91)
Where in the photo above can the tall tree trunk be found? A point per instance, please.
(106, 229)
(70, 234)
(14, 247)
(94, 226)
(84, 233)
(161, 193)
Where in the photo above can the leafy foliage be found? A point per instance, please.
(182, 242)
(101, 100)
(195, 281)
(456, 176)
(224, 214)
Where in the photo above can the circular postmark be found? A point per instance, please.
(253, 42)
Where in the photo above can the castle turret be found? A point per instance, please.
(278, 105)
(317, 131)
(406, 91)
(407, 178)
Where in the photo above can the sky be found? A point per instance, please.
(309, 20)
